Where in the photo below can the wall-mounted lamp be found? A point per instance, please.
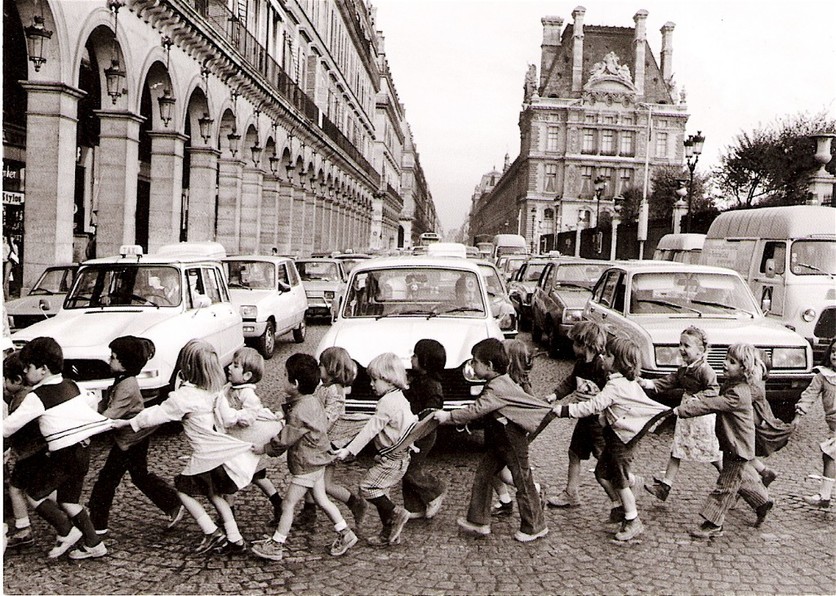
(115, 75)
(205, 124)
(204, 74)
(256, 151)
(166, 106)
(234, 138)
(36, 36)
(274, 163)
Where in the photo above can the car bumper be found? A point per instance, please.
(253, 328)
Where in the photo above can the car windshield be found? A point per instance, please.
(513, 265)
(495, 287)
(533, 271)
(813, 257)
(690, 293)
(418, 291)
(55, 281)
(101, 286)
(254, 275)
(578, 275)
(318, 270)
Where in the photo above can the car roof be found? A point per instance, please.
(150, 260)
(265, 258)
(418, 261)
(318, 260)
(668, 266)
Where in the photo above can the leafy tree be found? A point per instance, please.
(772, 165)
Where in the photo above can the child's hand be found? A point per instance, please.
(246, 418)
(257, 449)
(117, 424)
(796, 420)
(645, 383)
(341, 454)
(442, 417)
(551, 398)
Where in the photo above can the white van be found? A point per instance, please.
(787, 255)
(508, 244)
(681, 248)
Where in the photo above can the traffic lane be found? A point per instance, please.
(792, 552)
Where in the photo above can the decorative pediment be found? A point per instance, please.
(609, 77)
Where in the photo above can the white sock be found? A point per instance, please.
(537, 486)
(280, 538)
(340, 526)
(630, 515)
(206, 524)
(22, 523)
(232, 532)
(826, 488)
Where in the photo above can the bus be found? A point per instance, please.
(428, 238)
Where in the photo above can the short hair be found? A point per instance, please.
(133, 352)
(590, 335)
(199, 365)
(43, 351)
(13, 368)
(825, 358)
(251, 362)
(519, 358)
(491, 350)
(697, 334)
(303, 369)
(748, 357)
(431, 355)
(339, 367)
(388, 367)
(626, 356)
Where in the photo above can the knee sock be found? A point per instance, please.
(81, 520)
(22, 523)
(826, 490)
(385, 508)
(276, 501)
(352, 500)
(232, 532)
(55, 517)
(207, 526)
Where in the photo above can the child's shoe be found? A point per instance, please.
(564, 500)
(381, 539)
(65, 543)
(21, 537)
(268, 549)
(817, 501)
(630, 528)
(762, 511)
(307, 517)
(616, 515)
(658, 489)
(768, 476)
(88, 552)
(216, 539)
(345, 540)
(470, 528)
(358, 509)
(503, 509)
(521, 536)
(173, 518)
(234, 548)
(434, 506)
(706, 530)
(399, 518)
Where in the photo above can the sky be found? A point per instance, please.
(459, 68)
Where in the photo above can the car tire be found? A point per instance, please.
(536, 332)
(300, 332)
(266, 344)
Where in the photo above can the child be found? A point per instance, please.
(823, 385)
(588, 376)
(243, 373)
(305, 439)
(693, 438)
(509, 414)
(735, 429)
(28, 448)
(389, 426)
(219, 464)
(128, 355)
(627, 411)
(67, 421)
(423, 493)
(771, 433)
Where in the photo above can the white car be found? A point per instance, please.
(271, 298)
(501, 305)
(324, 282)
(44, 299)
(391, 303)
(167, 299)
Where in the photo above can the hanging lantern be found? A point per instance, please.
(234, 138)
(205, 125)
(256, 151)
(36, 36)
(166, 106)
(115, 77)
(274, 163)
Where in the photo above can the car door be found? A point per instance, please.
(219, 323)
(600, 306)
(285, 303)
(539, 302)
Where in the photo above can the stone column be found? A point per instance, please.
(117, 179)
(251, 194)
(577, 49)
(298, 221)
(284, 219)
(269, 219)
(230, 180)
(50, 169)
(320, 239)
(639, 42)
(166, 188)
(327, 225)
(310, 222)
(203, 192)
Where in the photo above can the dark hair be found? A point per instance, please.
(133, 352)
(43, 351)
(825, 358)
(304, 370)
(491, 350)
(251, 362)
(13, 367)
(431, 355)
(590, 335)
(626, 356)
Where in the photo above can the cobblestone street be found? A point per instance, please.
(793, 552)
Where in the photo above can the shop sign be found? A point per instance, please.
(12, 198)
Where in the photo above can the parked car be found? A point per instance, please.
(350, 259)
(560, 298)
(44, 299)
(166, 298)
(509, 265)
(324, 282)
(391, 303)
(653, 301)
(521, 288)
(271, 298)
(501, 305)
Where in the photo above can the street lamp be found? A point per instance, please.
(693, 149)
(37, 36)
(600, 185)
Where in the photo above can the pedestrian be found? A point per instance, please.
(735, 429)
(305, 438)
(423, 492)
(693, 438)
(28, 448)
(588, 377)
(509, 414)
(243, 374)
(129, 453)
(219, 464)
(66, 421)
(389, 426)
(627, 412)
(823, 386)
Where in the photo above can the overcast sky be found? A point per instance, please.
(459, 67)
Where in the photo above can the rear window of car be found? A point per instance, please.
(318, 271)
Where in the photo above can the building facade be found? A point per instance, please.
(602, 109)
(255, 123)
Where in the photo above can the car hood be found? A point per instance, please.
(575, 298)
(761, 332)
(366, 338)
(253, 297)
(29, 305)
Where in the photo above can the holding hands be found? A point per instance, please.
(341, 454)
(442, 416)
(117, 424)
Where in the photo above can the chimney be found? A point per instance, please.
(639, 42)
(577, 49)
(549, 47)
(667, 51)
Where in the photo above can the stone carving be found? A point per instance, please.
(530, 87)
(610, 67)
(682, 96)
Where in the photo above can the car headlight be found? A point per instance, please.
(507, 321)
(248, 311)
(789, 358)
(809, 314)
(667, 355)
(468, 373)
(572, 315)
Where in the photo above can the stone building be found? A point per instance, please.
(255, 123)
(418, 214)
(603, 109)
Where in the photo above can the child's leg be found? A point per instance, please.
(671, 471)
(628, 501)
(294, 494)
(500, 487)
(53, 514)
(721, 499)
(266, 486)
(515, 447)
(826, 489)
(81, 519)
(20, 508)
(233, 534)
(196, 510)
(334, 490)
(158, 491)
(331, 510)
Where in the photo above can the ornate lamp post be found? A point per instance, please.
(205, 124)
(600, 185)
(36, 36)
(693, 150)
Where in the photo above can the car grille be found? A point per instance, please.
(87, 370)
(717, 354)
(826, 325)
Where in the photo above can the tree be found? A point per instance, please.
(666, 181)
(771, 165)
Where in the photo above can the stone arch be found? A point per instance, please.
(156, 80)
(226, 126)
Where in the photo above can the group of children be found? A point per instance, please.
(231, 434)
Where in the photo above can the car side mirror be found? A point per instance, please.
(43, 304)
(284, 287)
(770, 268)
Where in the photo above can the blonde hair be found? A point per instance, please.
(697, 334)
(388, 367)
(338, 365)
(626, 357)
(750, 361)
(251, 362)
(519, 359)
(199, 365)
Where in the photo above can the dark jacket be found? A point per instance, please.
(304, 436)
(503, 397)
(735, 425)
